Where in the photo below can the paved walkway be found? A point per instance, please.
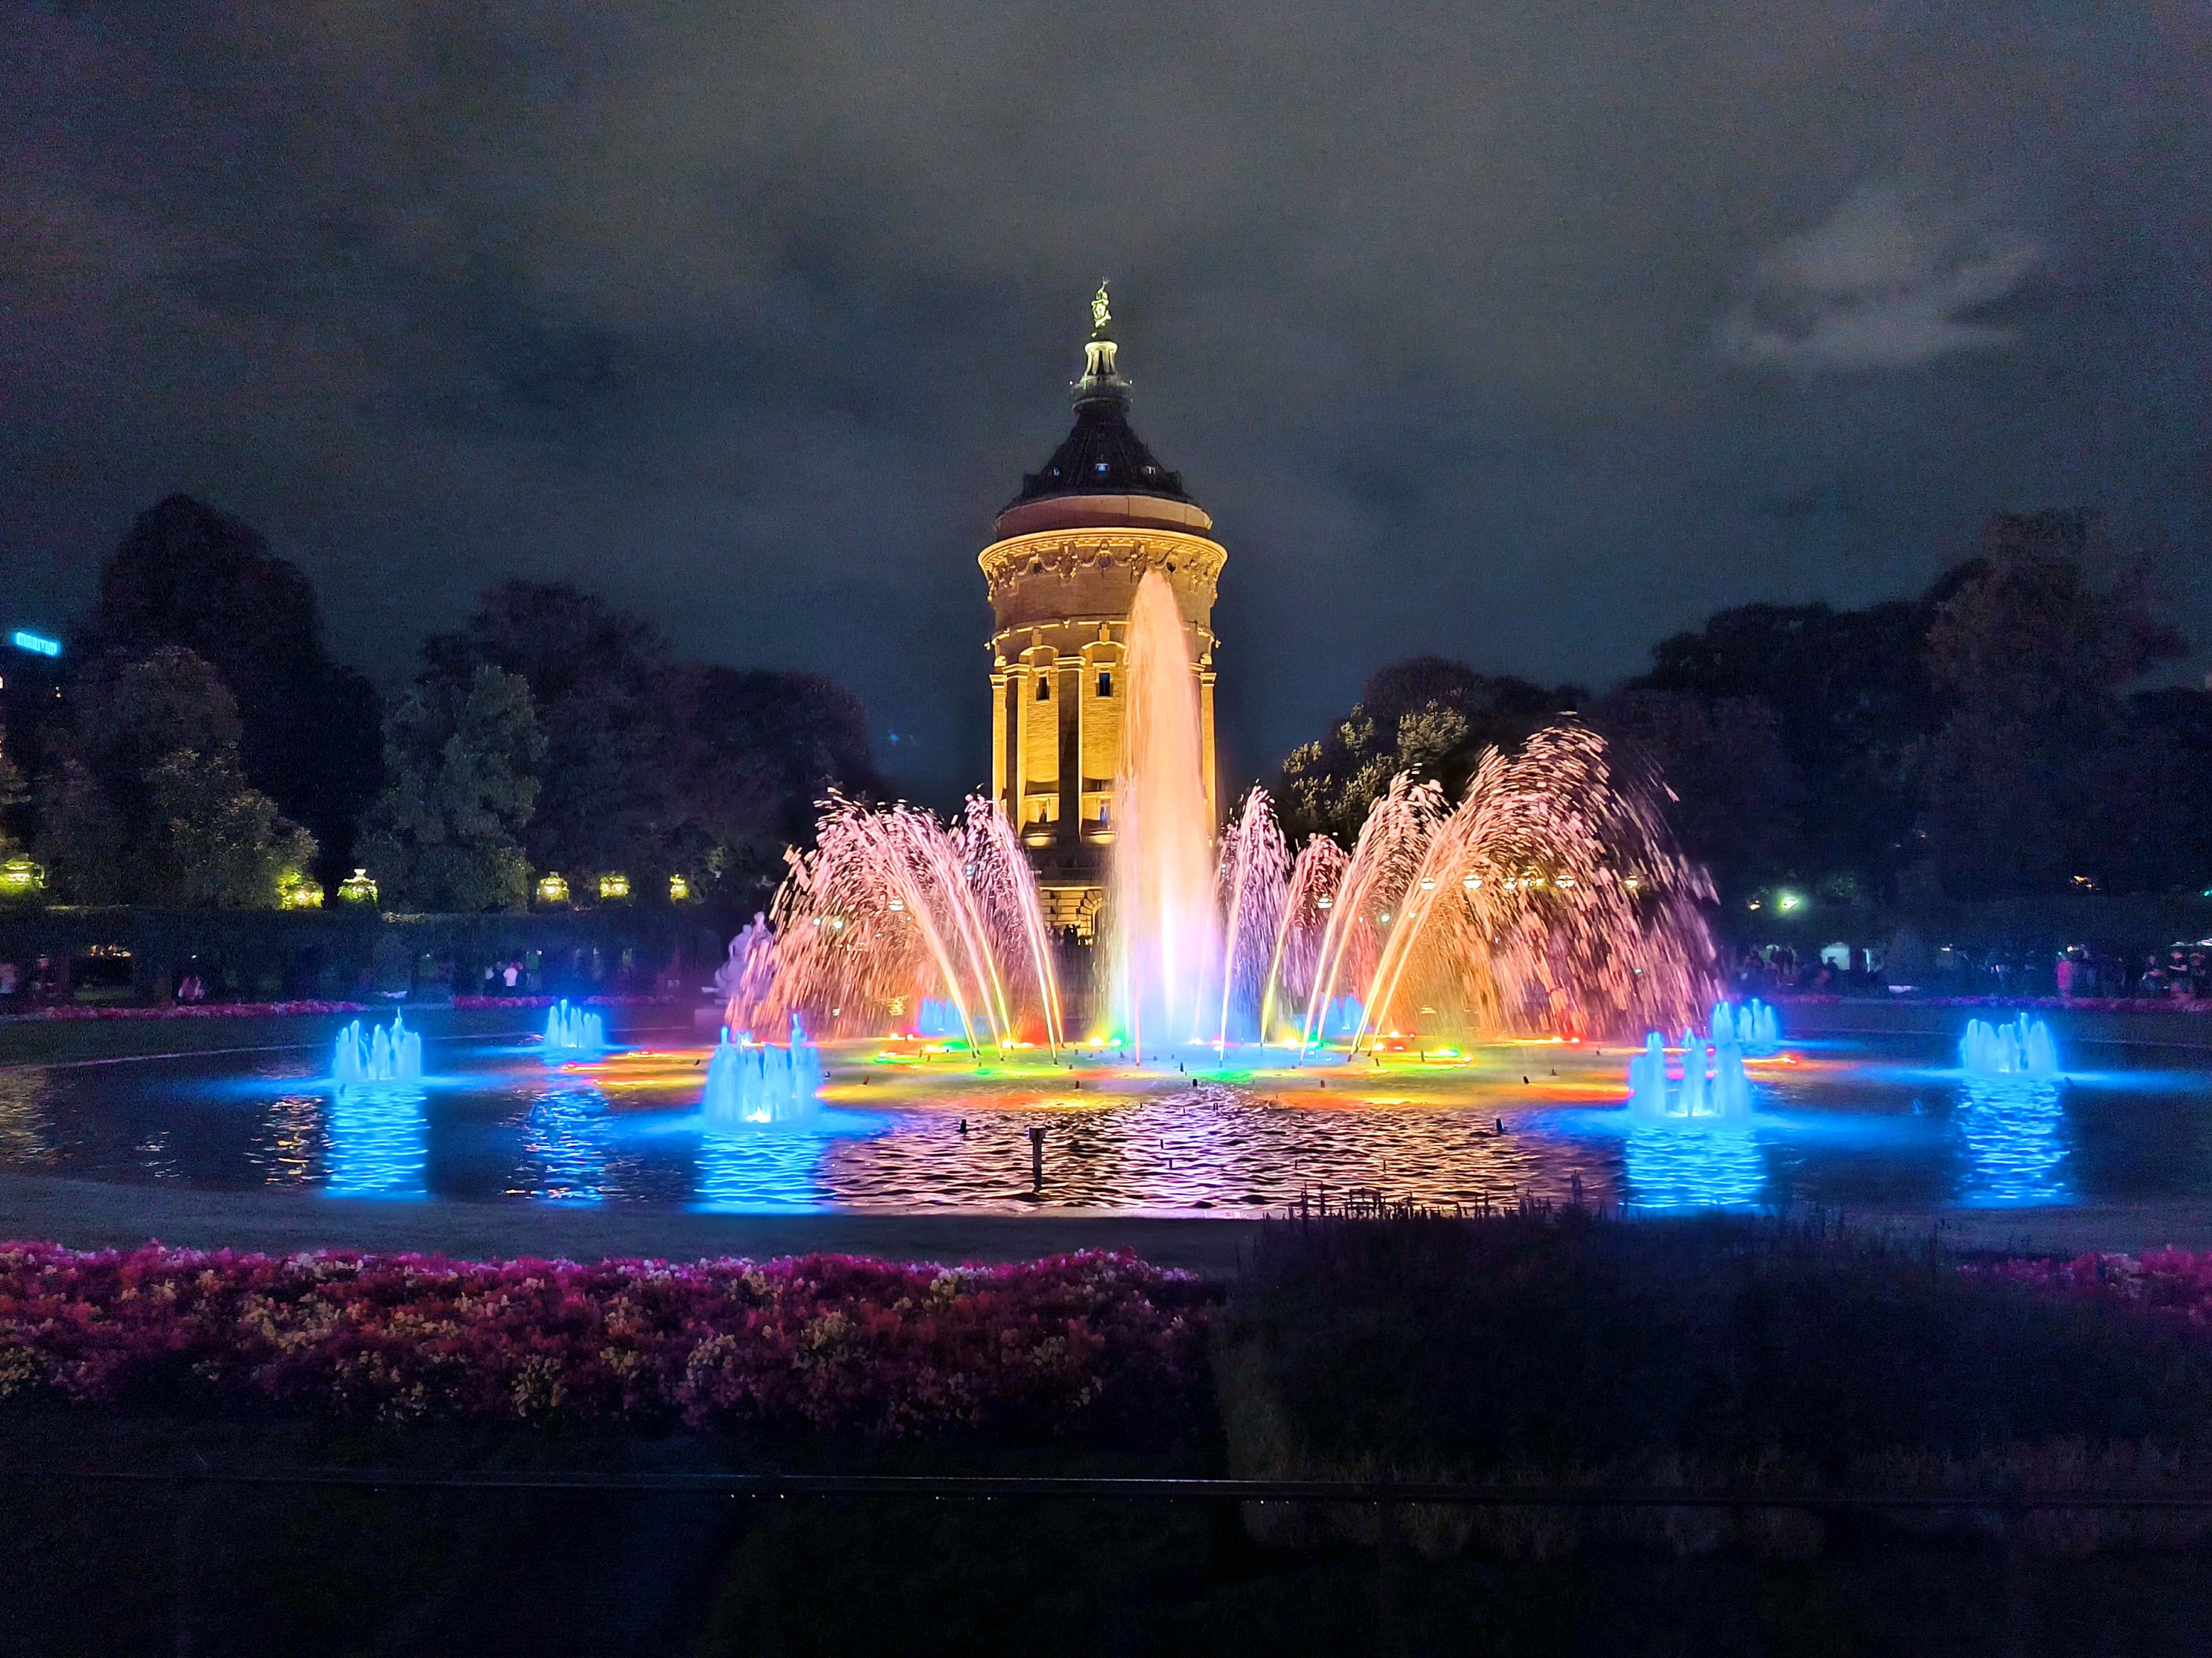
(87, 1214)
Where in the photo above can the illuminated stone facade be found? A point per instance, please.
(1063, 575)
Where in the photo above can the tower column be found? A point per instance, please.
(1017, 692)
(1000, 791)
(1070, 830)
(1205, 743)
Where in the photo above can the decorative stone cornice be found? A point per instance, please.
(1188, 559)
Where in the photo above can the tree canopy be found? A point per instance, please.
(1426, 715)
(461, 764)
(653, 766)
(2038, 775)
(190, 575)
(145, 800)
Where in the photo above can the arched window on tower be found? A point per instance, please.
(1106, 685)
(1044, 689)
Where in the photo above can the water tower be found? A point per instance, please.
(1063, 570)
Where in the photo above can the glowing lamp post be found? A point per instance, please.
(679, 890)
(614, 886)
(552, 888)
(358, 889)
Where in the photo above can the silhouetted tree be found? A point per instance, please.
(145, 800)
(604, 803)
(1735, 791)
(460, 787)
(190, 575)
(1853, 701)
(2016, 788)
(1429, 716)
(655, 766)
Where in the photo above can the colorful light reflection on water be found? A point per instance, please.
(902, 1129)
(2015, 1134)
(380, 1141)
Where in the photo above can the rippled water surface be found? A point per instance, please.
(1867, 1124)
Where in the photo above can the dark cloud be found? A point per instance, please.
(1516, 333)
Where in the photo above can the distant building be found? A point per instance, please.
(1063, 572)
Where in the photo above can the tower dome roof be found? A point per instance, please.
(1101, 454)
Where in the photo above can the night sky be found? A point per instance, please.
(1524, 333)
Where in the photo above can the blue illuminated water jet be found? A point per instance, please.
(378, 1055)
(754, 1085)
(2018, 1049)
(1724, 1093)
(573, 1034)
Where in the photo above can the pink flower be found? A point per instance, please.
(1077, 1344)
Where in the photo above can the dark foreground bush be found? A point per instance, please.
(1565, 1348)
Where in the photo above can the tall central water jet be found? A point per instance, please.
(1164, 938)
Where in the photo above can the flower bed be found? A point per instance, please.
(573, 1001)
(61, 1010)
(1079, 1345)
(2172, 1285)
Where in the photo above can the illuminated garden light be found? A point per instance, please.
(552, 887)
(20, 878)
(614, 884)
(298, 891)
(679, 890)
(1787, 900)
(358, 889)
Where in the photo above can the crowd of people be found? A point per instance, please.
(2077, 973)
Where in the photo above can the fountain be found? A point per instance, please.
(746, 980)
(892, 906)
(571, 1033)
(1724, 1092)
(1548, 900)
(1165, 948)
(2018, 1049)
(753, 1085)
(937, 1019)
(378, 1055)
(1754, 1027)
